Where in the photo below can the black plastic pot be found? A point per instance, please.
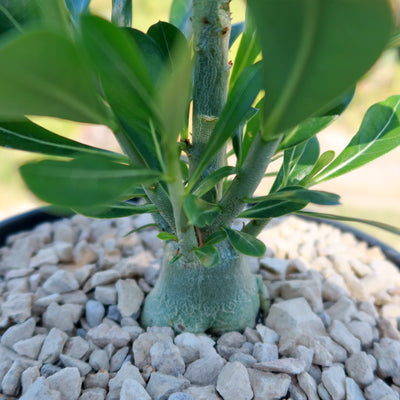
(30, 219)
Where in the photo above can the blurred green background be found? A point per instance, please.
(372, 192)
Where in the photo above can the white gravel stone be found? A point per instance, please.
(18, 332)
(132, 390)
(166, 358)
(202, 392)
(64, 251)
(344, 337)
(141, 348)
(358, 367)
(99, 360)
(118, 358)
(362, 331)
(308, 385)
(161, 386)
(387, 353)
(30, 347)
(83, 253)
(204, 371)
(76, 347)
(63, 232)
(28, 377)
(267, 335)
(63, 317)
(61, 282)
(106, 295)
(18, 306)
(343, 310)
(294, 317)
(334, 381)
(305, 354)
(265, 352)
(275, 266)
(108, 332)
(286, 365)
(130, 297)
(94, 312)
(10, 384)
(68, 382)
(309, 289)
(234, 383)
(100, 379)
(190, 345)
(378, 389)
(83, 367)
(93, 394)
(339, 354)
(44, 256)
(40, 390)
(128, 371)
(353, 391)
(104, 278)
(268, 386)
(52, 346)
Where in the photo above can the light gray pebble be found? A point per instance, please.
(166, 358)
(64, 251)
(161, 386)
(343, 310)
(102, 278)
(231, 339)
(387, 353)
(68, 382)
(353, 391)
(133, 331)
(180, 396)
(84, 273)
(252, 335)
(323, 393)
(267, 385)
(141, 349)
(77, 347)
(304, 353)
(18, 332)
(202, 392)
(83, 253)
(108, 332)
(362, 331)
(246, 359)
(286, 365)
(234, 383)
(344, 337)
(132, 390)
(358, 367)
(113, 313)
(44, 256)
(130, 297)
(378, 389)
(62, 317)
(28, 377)
(61, 282)
(308, 385)
(333, 379)
(40, 390)
(99, 360)
(265, 352)
(106, 295)
(99, 379)
(75, 297)
(118, 358)
(204, 371)
(83, 367)
(53, 346)
(190, 344)
(339, 354)
(30, 347)
(18, 306)
(93, 394)
(127, 371)
(94, 312)
(49, 369)
(11, 384)
(308, 289)
(63, 232)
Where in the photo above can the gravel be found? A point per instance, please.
(69, 321)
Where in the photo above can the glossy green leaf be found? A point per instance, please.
(117, 210)
(239, 103)
(245, 243)
(249, 49)
(208, 256)
(200, 212)
(322, 162)
(54, 15)
(213, 179)
(57, 82)
(170, 40)
(121, 14)
(379, 133)
(15, 13)
(333, 217)
(175, 259)
(273, 209)
(150, 52)
(167, 236)
(27, 136)
(215, 238)
(84, 182)
(314, 50)
(180, 13)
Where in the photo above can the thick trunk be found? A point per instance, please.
(195, 299)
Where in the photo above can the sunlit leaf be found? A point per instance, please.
(245, 243)
(215, 238)
(167, 236)
(180, 14)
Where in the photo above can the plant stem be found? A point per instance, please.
(255, 226)
(246, 181)
(211, 28)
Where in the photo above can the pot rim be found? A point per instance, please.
(28, 220)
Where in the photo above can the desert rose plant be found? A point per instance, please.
(179, 108)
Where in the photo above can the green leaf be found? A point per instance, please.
(239, 103)
(180, 14)
(167, 236)
(121, 14)
(175, 259)
(333, 217)
(297, 194)
(249, 49)
(84, 182)
(117, 210)
(319, 48)
(322, 162)
(379, 133)
(236, 30)
(208, 256)
(215, 238)
(27, 136)
(56, 84)
(213, 179)
(150, 52)
(200, 212)
(77, 7)
(15, 13)
(54, 14)
(273, 209)
(245, 243)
